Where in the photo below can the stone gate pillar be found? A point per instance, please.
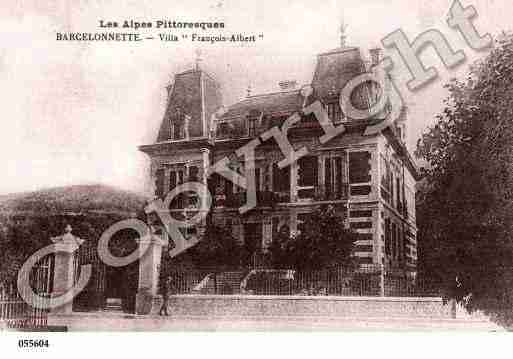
(147, 298)
(63, 279)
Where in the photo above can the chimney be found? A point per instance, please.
(287, 84)
(375, 55)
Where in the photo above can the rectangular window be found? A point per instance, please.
(334, 183)
(307, 171)
(334, 112)
(253, 122)
(339, 185)
(359, 167)
(223, 130)
(159, 183)
(281, 178)
(385, 178)
(175, 179)
(307, 176)
(193, 174)
(178, 131)
(360, 173)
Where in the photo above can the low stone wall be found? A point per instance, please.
(310, 306)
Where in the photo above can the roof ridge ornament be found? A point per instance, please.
(343, 35)
(198, 59)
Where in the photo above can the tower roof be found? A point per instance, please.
(335, 69)
(194, 94)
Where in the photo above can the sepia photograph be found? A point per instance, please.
(255, 166)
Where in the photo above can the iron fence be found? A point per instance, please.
(334, 282)
(15, 313)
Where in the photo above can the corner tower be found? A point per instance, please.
(192, 98)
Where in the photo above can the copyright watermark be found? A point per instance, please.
(385, 110)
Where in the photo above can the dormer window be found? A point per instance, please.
(179, 125)
(253, 122)
(253, 125)
(334, 112)
(178, 131)
(223, 130)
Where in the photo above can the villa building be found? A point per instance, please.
(369, 179)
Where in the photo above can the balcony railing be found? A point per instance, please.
(236, 200)
(271, 198)
(328, 193)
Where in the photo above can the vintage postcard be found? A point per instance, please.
(224, 165)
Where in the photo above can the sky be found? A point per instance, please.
(75, 112)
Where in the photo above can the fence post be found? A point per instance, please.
(382, 280)
(64, 269)
(147, 297)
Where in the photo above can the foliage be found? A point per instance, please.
(465, 203)
(217, 249)
(29, 220)
(324, 242)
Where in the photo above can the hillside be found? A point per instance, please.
(73, 199)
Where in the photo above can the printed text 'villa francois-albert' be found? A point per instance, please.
(166, 30)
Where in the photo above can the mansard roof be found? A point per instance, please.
(269, 103)
(335, 69)
(194, 94)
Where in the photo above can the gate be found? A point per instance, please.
(92, 297)
(15, 313)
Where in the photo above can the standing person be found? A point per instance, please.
(164, 289)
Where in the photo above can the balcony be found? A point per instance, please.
(327, 193)
(271, 198)
(236, 200)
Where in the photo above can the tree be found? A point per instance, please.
(465, 203)
(216, 249)
(324, 242)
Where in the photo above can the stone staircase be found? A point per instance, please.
(113, 305)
